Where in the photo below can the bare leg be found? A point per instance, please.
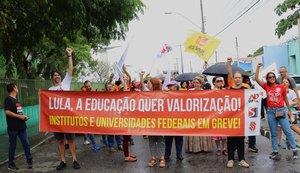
(72, 148)
(295, 128)
(61, 148)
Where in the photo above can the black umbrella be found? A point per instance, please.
(220, 69)
(186, 76)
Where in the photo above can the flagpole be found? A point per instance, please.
(153, 62)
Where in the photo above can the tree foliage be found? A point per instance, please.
(33, 34)
(259, 51)
(287, 23)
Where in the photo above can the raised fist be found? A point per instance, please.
(69, 52)
(259, 65)
(229, 59)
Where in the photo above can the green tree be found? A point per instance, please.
(34, 33)
(259, 51)
(287, 23)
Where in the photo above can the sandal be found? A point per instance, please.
(130, 159)
(162, 163)
(133, 156)
(152, 162)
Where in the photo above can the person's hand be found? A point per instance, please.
(142, 73)
(124, 68)
(126, 79)
(259, 65)
(24, 117)
(229, 59)
(290, 114)
(69, 51)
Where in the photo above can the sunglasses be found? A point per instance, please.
(271, 77)
(219, 81)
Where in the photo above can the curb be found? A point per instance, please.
(266, 133)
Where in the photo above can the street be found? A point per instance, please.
(46, 159)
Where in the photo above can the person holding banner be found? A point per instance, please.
(111, 138)
(126, 138)
(236, 142)
(87, 86)
(65, 85)
(156, 143)
(277, 112)
(218, 83)
(197, 144)
(246, 85)
(173, 86)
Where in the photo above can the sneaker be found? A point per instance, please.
(96, 147)
(120, 147)
(218, 153)
(112, 149)
(30, 166)
(61, 166)
(253, 149)
(295, 154)
(244, 164)
(179, 157)
(131, 141)
(12, 167)
(230, 164)
(274, 156)
(76, 165)
(86, 142)
(145, 136)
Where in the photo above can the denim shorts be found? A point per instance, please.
(62, 136)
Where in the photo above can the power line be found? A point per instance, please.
(237, 14)
(237, 18)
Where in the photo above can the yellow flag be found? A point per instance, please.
(201, 44)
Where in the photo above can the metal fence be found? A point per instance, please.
(28, 89)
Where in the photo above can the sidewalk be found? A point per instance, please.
(46, 159)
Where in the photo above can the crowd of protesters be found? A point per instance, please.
(281, 101)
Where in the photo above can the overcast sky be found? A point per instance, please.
(146, 36)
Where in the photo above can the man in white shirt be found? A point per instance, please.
(60, 137)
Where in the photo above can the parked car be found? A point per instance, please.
(297, 80)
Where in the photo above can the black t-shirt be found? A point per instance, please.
(14, 106)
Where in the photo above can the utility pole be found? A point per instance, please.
(237, 51)
(177, 69)
(202, 18)
(181, 59)
(216, 55)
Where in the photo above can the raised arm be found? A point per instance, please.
(126, 72)
(142, 80)
(229, 69)
(70, 61)
(260, 82)
(126, 84)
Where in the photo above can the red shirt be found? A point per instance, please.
(275, 95)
